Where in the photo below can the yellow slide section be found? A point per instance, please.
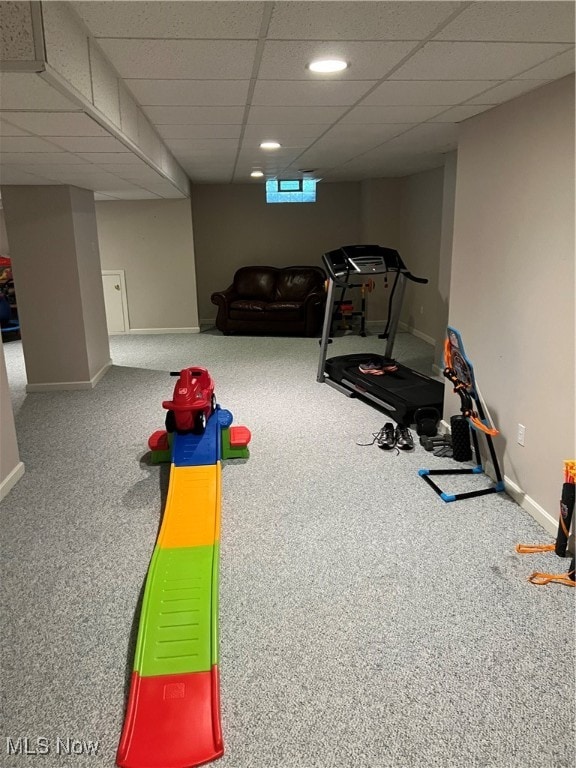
(192, 512)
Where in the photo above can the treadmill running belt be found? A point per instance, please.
(399, 393)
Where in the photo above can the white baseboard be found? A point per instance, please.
(415, 332)
(194, 329)
(56, 386)
(10, 480)
(516, 493)
(534, 509)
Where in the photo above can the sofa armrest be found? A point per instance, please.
(223, 298)
(315, 297)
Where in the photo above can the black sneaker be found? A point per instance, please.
(387, 437)
(403, 438)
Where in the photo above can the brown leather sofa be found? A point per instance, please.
(273, 300)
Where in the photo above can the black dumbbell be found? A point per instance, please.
(429, 443)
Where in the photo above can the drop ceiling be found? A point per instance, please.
(216, 78)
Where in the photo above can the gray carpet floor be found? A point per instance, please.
(364, 623)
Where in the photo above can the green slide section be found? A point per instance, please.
(179, 612)
(214, 606)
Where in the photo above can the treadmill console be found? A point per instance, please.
(352, 260)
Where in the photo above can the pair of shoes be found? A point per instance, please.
(387, 437)
(376, 369)
(395, 437)
(404, 439)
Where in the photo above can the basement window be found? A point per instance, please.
(291, 191)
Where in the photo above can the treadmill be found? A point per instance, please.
(398, 393)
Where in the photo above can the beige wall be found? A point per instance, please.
(151, 240)
(512, 283)
(90, 279)
(10, 465)
(381, 212)
(56, 268)
(420, 235)
(234, 227)
(406, 214)
(445, 256)
(4, 245)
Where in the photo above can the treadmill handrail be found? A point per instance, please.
(410, 276)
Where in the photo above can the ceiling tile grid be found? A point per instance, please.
(217, 78)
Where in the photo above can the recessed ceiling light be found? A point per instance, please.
(328, 65)
(257, 174)
(269, 145)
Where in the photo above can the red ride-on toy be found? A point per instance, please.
(193, 401)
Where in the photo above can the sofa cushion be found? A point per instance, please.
(255, 283)
(248, 305)
(295, 283)
(284, 306)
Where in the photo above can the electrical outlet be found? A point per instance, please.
(521, 434)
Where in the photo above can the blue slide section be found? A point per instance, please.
(198, 450)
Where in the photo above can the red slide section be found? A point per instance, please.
(172, 721)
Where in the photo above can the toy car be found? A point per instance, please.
(193, 401)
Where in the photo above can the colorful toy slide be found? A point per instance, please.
(173, 713)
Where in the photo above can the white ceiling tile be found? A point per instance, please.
(358, 20)
(474, 61)
(206, 158)
(283, 60)
(66, 46)
(16, 37)
(431, 137)
(99, 196)
(425, 92)
(328, 156)
(89, 143)
(559, 66)
(49, 124)
(29, 91)
(221, 164)
(200, 131)
(106, 96)
(12, 175)
(295, 115)
(194, 115)
(300, 93)
(463, 112)
(109, 158)
(148, 140)
(164, 189)
(132, 192)
(7, 129)
(135, 172)
(25, 144)
(508, 90)
(204, 93)
(285, 134)
(348, 134)
(167, 59)
(362, 114)
(513, 21)
(128, 113)
(194, 145)
(114, 186)
(42, 158)
(207, 177)
(78, 171)
(171, 19)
